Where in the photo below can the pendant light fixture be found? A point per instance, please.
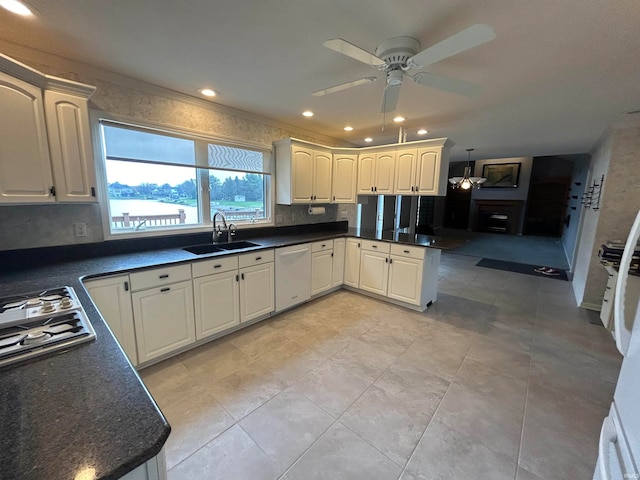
(467, 181)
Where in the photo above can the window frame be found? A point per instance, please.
(201, 140)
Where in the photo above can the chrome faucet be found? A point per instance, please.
(220, 231)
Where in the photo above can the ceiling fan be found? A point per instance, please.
(398, 56)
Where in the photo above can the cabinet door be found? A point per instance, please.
(405, 279)
(70, 145)
(25, 166)
(302, 174)
(428, 171)
(352, 263)
(366, 173)
(113, 299)
(337, 276)
(256, 291)
(344, 178)
(321, 271)
(405, 176)
(217, 303)
(322, 177)
(385, 172)
(164, 319)
(374, 271)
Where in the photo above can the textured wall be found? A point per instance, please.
(618, 158)
(47, 225)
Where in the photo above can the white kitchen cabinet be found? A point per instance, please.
(45, 148)
(374, 267)
(216, 295)
(432, 169)
(25, 165)
(70, 147)
(352, 262)
(321, 266)
(345, 173)
(405, 279)
(376, 171)
(257, 285)
(112, 297)
(422, 171)
(163, 314)
(303, 173)
(337, 269)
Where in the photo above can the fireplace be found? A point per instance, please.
(498, 216)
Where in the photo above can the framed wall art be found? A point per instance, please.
(501, 175)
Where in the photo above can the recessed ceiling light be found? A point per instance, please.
(348, 128)
(422, 131)
(208, 92)
(307, 113)
(16, 7)
(368, 139)
(399, 119)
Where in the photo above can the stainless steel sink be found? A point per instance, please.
(218, 247)
(202, 249)
(236, 245)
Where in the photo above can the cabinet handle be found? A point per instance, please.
(166, 289)
(358, 244)
(166, 275)
(217, 266)
(332, 254)
(242, 275)
(386, 260)
(406, 251)
(52, 191)
(417, 188)
(93, 191)
(258, 258)
(605, 300)
(391, 260)
(374, 246)
(375, 189)
(324, 245)
(334, 198)
(372, 189)
(126, 286)
(237, 278)
(412, 189)
(311, 197)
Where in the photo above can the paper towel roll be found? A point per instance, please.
(316, 210)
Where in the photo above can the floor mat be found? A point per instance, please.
(521, 268)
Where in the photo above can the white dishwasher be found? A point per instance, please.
(293, 275)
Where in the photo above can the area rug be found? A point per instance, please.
(522, 268)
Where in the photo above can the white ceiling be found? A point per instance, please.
(557, 75)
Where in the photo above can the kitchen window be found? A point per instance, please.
(159, 181)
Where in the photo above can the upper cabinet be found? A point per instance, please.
(376, 171)
(45, 150)
(310, 173)
(345, 174)
(303, 173)
(422, 170)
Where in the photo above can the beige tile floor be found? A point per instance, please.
(502, 378)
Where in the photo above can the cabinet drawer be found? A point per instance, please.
(256, 258)
(320, 246)
(382, 247)
(407, 251)
(217, 265)
(160, 276)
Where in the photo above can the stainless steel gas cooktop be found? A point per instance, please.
(39, 323)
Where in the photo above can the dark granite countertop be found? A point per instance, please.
(86, 408)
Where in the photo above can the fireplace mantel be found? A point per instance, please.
(486, 209)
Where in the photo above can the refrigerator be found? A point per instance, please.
(619, 448)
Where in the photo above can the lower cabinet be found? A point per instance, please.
(352, 262)
(321, 266)
(112, 297)
(216, 295)
(164, 319)
(257, 285)
(403, 273)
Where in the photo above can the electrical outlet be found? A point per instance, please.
(80, 229)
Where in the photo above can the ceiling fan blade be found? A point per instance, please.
(343, 86)
(350, 50)
(390, 98)
(466, 39)
(448, 84)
